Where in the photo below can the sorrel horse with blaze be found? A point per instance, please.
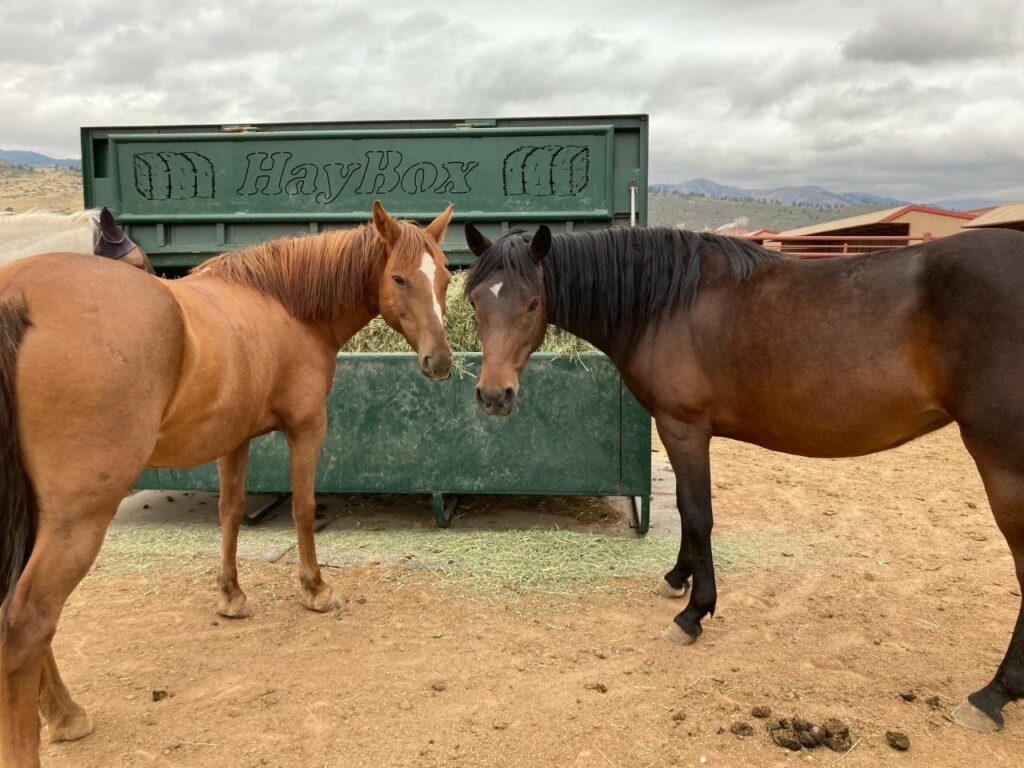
(827, 358)
(105, 370)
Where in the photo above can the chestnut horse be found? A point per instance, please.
(32, 232)
(105, 370)
(831, 357)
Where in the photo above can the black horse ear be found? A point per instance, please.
(108, 227)
(541, 243)
(476, 241)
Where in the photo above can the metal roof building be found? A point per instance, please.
(1009, 216)
(888, 228)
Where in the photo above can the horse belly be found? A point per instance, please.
(257, 373)
(211, 416)
(837, 422)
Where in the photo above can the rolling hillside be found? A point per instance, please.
(23, 188)
(806, 194)
(691, 212)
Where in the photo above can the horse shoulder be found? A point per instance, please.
(665, 372)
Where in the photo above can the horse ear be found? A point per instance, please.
(476, 241)
(541, 243)
(108, 227)
(439, 226)
(386, 227)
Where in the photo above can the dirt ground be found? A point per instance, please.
(847, 582)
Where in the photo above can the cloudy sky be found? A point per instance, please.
(915, 99)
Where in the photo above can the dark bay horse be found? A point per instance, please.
(110, 241)
(832, 357)
(105, 370)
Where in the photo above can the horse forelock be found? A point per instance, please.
(510, 255)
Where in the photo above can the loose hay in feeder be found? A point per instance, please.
(460, 323)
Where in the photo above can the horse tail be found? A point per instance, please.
(17, 497)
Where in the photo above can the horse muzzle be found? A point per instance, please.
(496, 402)
(436, 367)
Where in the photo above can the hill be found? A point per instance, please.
(23, 188)
(25, 157)
(692, 212)
(800, 195)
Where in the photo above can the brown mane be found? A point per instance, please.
(316, 276)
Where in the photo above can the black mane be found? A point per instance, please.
(617, 280)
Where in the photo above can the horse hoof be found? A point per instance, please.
(72, 727)
(667, 590)
(969, 716)
(235, 609)
(675, 635)
(325, 602)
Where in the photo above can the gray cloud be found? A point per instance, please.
(748, 93)
(942, 31)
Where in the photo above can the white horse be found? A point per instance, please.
(91, 231)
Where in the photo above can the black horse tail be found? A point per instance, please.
(17, 497)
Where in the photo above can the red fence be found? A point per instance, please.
(825, 246)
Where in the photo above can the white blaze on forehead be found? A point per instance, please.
(429, 268)
(496, 289)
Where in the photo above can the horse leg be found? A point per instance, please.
(305, 442)
(66, 720)
(231, 469)
(676, 583)
(59, 560)
(688, 446)
(1005, 489)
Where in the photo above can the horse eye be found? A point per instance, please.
(399, 280)
(533, 305)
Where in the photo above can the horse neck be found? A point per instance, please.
(369, 261)
(330, 281)
(616, 345)
(711, 270)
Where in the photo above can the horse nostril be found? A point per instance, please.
(479, 396)
(510, 395)
(425, 364)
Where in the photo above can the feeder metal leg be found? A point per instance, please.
(641, 506)
(444, 511)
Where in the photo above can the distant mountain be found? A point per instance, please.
(967, 203)
(23, 157)
(806, 195)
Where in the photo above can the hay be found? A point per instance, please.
(501, 562)
(460, 323)
(515, 562)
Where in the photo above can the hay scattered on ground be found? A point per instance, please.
(518, 562)
(490, 562)
(460, 323)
